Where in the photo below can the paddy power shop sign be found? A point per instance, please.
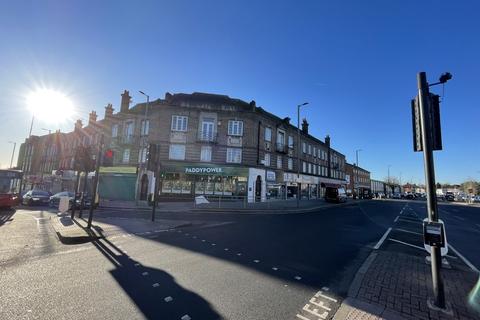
(202, 169)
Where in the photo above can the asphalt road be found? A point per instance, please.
(224, 266)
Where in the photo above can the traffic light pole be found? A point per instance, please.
(82, 200)
(423, 94)
(155, 192)
(77, 182)
(95, 183)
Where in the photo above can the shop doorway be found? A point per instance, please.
(144, 187)
(258, 188)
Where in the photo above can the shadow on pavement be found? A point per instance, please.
(155, 292)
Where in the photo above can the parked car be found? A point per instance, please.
(36, 197)
(409, 196)
(55, 199)
(449, 196)
(396, 196)
(87, 202)
(335, 195)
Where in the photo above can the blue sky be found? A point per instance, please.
(355, 62)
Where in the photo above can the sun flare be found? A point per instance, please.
(50, 105)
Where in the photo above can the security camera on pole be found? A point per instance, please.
(427, 137)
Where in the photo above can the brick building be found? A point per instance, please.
(208, 144)
(358, 181)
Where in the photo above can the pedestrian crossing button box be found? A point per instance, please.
(434, 234)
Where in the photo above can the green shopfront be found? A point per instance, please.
(184, 180)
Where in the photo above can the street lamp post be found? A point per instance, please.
(298, 151)
(388, 179)
(356, 173)
(143, 144)
(13, 152)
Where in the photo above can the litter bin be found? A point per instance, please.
(63, 204)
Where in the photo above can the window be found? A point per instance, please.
(309, 168)
(206, 154)
(315, 152)
(281, 138)
(304, 147)
(310, 149)
(114, 131)
(235, 128)
(304, 166)
(177, 152)
(290, 164)
(267, 159)
(179, 123)
(126, 156)
(207, 132)
(290, 142)
(268, 134)
(234, 155)
(142, 155)
(145, 126)
(129, 129)
(279, 162)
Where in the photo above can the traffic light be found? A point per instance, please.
(152, 157)
(433, 119)
(108, 158)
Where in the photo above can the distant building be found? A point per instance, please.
(359, 184)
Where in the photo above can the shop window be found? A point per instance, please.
(290, 164)
(177, 152)
(234, 155)
(267, 159)
(206, 154)
(268, 134)
(235, 128)
(279, 162)
(179, 123)
(126, 156)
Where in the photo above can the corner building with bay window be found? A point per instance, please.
(210, 145)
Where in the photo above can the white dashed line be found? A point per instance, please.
(301, 317)
(186, 317)
(465, 260)
(315, 312)
(226, 249)
(274, 268)
(256, 261)
(320, 294)
(137, 264)
(214, 244)
(239, 254)
(145, 273)
(155, 285)
(396, 219)
(298, 278)
(203, 240)
(168, 299)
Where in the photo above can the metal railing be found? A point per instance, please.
(281, 147)
(207, 136)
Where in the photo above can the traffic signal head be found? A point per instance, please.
(152, 157)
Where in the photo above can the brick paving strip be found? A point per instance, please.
(396, 285)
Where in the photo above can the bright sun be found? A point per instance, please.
(50, 105)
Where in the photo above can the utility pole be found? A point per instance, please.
(427, 137)
(95, 182)
(13, 152)
(298, 151)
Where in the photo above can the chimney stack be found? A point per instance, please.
(305, 126)
(327, 140)
(92, 117)
(108, 111)
(125, 104)
(78, 124)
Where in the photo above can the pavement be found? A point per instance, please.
(224, 265)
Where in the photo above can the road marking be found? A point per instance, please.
(315, 312)
(379, 243)
(465, 260)
(301, 317)
(396, 219)
(298, 278)
(408, 231)
(168, 299)
(319, 304)
(325, 288)
(274, 268)
(410, 221)
(407, 244)
(145, 273)
(194, 237)
(459, 218)
(203, 240)
(186, 317)
(214, 244)
(137, 264)
(320, 294)
(239, 254)
(256, 261)
(155, 285)
(226, 249)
